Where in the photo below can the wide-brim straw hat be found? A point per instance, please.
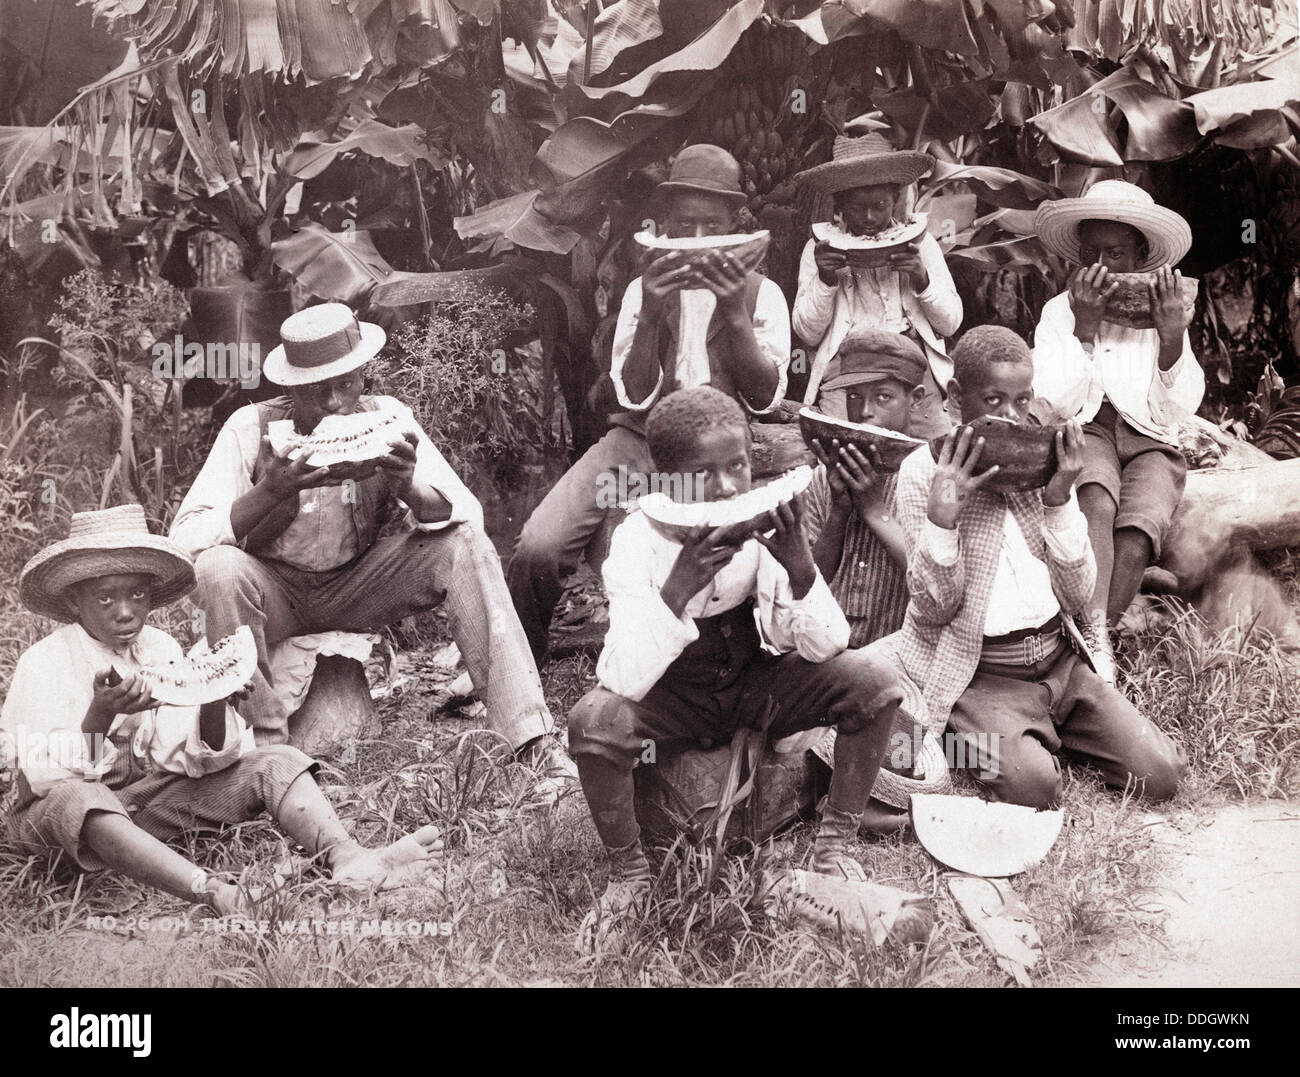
(708, 169)
(867, 161)
(1168, 235)
(321, 342)
(109, 542)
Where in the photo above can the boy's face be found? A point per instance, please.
(334, 396)
(1117, 246)
(113, 609)
(1006, 391)
(867, 210)
(886, 403)
(719, 464)
(692, 213)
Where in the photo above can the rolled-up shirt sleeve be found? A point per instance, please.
(1065, 530)
(173, 743)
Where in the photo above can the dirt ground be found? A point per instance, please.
(1230, 905)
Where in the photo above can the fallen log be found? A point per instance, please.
(1227, 512)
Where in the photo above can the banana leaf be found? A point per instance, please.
(997, 186)
(514, 219)
(1226, 106)
(1081, 130)
(397, 145)
(344, 266)
(936, 24)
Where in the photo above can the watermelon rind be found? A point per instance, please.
(1025, 454)
(892, 447)
(748, 248)
(741, 515)
(1131, 305)
(983, 837)
(865, 252)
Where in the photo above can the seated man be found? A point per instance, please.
(684, 662)
(874, 378)
(676, 329)
(913, 294)
(288, 549)
(107, 774)
(990, 576)
(1131, 387)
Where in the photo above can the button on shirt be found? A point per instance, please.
(1022, 595)
(645, 637)
(771, 333)
(322, 536)
(1121, 366)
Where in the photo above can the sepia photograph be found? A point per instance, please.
(651, 493)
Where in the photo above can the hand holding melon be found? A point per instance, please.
(703, 555)
(1171, 311)
(1069, 464)
(955, 479)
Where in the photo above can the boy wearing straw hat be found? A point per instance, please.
(1131, 387)
(677, 328)
(109, 775)
(288, 549)
(913, 294)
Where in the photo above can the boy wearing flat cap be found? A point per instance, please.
(287, 548)
(678, 327)
(1131, 387)
(913, 294)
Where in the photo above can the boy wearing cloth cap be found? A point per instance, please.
(913, 294)
(723, 327)
(875, 378)
(991, 575)
(288, 549)
(1130, 387)
(106, 773)
(684, 659)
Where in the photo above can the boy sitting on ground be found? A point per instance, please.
(107, 774)
(990, 577)
(875, 378)
(683, 661)
(1131, 387)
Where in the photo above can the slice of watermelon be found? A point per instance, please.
(980, 837)
(740, 516)
(893, 448)
(865, 252)
(747, 248)
(206, 674)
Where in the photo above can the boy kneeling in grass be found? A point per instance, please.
(684, 659)
(991, 575)
(108, 774)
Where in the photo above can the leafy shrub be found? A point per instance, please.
(472, 387)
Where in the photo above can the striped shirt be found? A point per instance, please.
(869, 585)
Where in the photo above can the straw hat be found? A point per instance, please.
(321, 342)
(1168, 235)
(866, 162)
(708, 169)
(109, 542)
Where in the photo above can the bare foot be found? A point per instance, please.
(231, 900)
(398, 864)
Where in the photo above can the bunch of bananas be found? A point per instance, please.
(756, 113)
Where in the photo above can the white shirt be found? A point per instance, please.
(824, 314)
(1121, 366)
(645, 637)
(52, 688)
(203, 520)
(771, 333)
(1022, 595)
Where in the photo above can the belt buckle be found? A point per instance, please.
(1033, 647)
